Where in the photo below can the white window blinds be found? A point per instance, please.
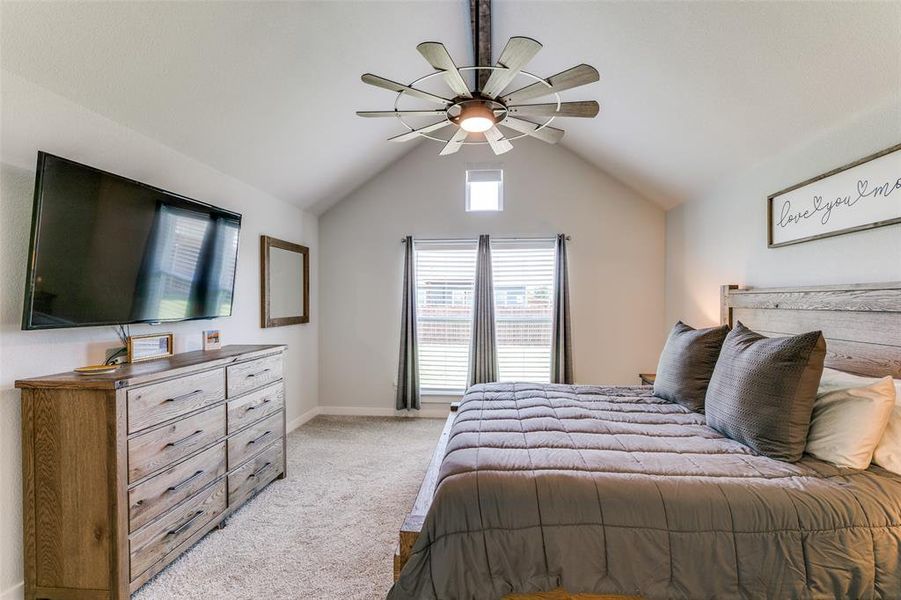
(523, 308)
(445, 273)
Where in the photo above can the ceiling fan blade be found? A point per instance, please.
(399, 87)
(565, 80)
(517, 53)
(415, 133)
(496, 141)
(455, 143)
(400, 113)
(551, 135)
(587, 109)
(438, 57)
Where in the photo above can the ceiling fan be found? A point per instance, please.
(476, 114)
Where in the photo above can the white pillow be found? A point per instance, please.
(850, 415)
(888, 452)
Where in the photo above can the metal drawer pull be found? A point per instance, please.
(266, 400)
(184, 440)
(183, 396)
(178, 486)
(260, 470)
(252, 442)
(181, 528)
(258, 373)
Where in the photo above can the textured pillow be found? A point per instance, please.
(762, 390)
(888, 451)
(686, 364)
(848, 423)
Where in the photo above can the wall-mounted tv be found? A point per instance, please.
(107, 250)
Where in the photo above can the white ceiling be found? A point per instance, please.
(266, 92)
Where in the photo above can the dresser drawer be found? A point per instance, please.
(161, 447)
(158, 539)
(248, 442)
(254, 374)
(160, 493)
(256, 473)
(254, 406)
(160, 402)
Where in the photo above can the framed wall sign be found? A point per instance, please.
(863, 195)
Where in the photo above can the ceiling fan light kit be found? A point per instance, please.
(480, 111)
(476, 117)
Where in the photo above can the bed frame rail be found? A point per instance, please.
(409, 531)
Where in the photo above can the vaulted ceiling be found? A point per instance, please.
(266, 92)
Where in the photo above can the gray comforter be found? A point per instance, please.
(611, 490)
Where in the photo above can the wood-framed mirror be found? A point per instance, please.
(284, 282)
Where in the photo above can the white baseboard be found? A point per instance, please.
(364, 411)
(291, 426)
(16, 592)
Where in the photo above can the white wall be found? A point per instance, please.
(32, 119)
(721, 238)
(616, 262)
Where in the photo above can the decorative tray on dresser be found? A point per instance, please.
(123, 472)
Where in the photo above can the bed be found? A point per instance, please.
(612, 491)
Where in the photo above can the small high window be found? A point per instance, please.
(484, 190)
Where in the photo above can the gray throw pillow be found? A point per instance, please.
(686, 364)
(762, 390)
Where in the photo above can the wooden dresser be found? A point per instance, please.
(124, 472)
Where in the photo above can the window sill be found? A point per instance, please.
(441, 396)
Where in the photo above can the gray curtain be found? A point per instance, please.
(482, 351)
(408, 363)
(561, 333)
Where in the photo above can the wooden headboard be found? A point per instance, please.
(861, 322)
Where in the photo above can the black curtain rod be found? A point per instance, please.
(475, 239)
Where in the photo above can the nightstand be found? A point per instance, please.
(647, 378)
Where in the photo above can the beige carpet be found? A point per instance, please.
(327, 532)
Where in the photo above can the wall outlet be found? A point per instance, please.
(121, 355)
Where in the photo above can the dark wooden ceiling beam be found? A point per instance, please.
(480, 20)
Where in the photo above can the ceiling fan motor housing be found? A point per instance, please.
(476, 114)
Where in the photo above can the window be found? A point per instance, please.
(484, 190)
(523, 308)
(523, 273)
(445, 274)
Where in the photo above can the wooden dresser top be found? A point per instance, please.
(144, 372)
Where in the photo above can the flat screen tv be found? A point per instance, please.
(107, 250)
